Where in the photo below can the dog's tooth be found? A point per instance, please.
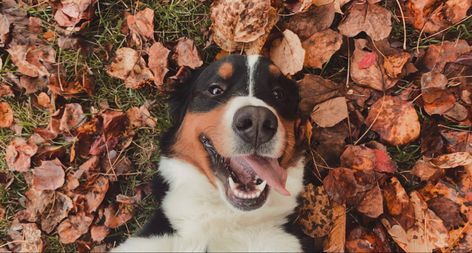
(257, 193)
(261, 186)
(232, 184)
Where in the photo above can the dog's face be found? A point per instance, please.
(237, 124)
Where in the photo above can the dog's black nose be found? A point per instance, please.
(255, 124)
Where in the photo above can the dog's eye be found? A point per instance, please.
(215, 89)
(278, 93)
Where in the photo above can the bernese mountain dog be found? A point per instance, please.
(232, 164)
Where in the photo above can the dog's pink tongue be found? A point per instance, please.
(266, 168)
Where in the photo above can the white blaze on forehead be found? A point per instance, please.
(252, 61)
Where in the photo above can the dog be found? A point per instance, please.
(232, 164)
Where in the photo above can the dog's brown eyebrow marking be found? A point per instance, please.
(274, 70)
(226, 70)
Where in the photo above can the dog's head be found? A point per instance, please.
(237, 123)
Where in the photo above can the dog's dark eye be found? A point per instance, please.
(278, 93)
(215, 89)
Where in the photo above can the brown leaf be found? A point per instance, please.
(59, 210)
(74, 227)
(427, 234)
(115, 218)
(437, 101)
(452, 160)
(6, 115)
(18, 154)
(457, 141)
(398, 203)
(315, 213)
(72, 118)
(186, 54)
(96, 192)
(44, 100)
(364, 68)
(141, 24)
(362, 240)
(315, 19)
(340, 184)
(98, 233)
(425, 170)
(237, 22)
(129, 66)
(395, 120)
(158, 62)
(289, 47)
(30, 59)
(6, 91)
(433, 79)
(358, 158)
(337, 236)
(26, 237)
(140, 117)
(438, 55)
(70, 13)
(299, 5)
(393, 64)
(314, 90)
(4, 29)
(330, 112)
(48, 176)
(320, 47)
(330, 142)
(447, 210)
(369, 18)
(458, 113)
(372, 203)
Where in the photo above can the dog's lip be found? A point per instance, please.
(245, 190)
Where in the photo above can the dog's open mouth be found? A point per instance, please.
(246, 179)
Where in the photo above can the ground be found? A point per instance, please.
(173, 19)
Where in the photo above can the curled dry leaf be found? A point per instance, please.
(140, 117)
(115, 218)
(452, 160)
(59, 210)
(48, 176)
(98, 233)
(158, 62)
(320, 47)
(6, 115)
(427, 234)
(372, 203)
(337, 236)
(372, 19)
(299, 5)
(186, 54)
(395, 120)
(330, 112)
(237, 22)
(26, 237)
(72, 117)
(18, 154)
(30, 59)
(314, 90)
(129, 66)
(4, 30)
(314, 20)
(438, 55)
(315, 213)
(71, 12)
(289, 47)
(74, 227)
(6, 90)
(141, 24)
(393, 64)
(96, 192)
(366, 71)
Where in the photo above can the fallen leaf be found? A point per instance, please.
(73, 227)
(96, 192)
(115, 218)
(447, 210)
(372, 203)
(426, 235)
(71, 12)
(398, 203)
(320, 47)
(369, 18)
(330, 112)
(48, 176)
(438, 55)
(315, 90)
(289, 47)
(98, 233)
(341, 185)
(315, 212)
(298, 5)
(383, 162)
(4, 29)
(457, 141)
(141, 25)
(6, 115)
(424, 170)
(59, 210)
(314, 20)
(362, 240)
(26, 237)
(452, 160)
(44, 100)
(395, 120)
(433, 79)
(337, 236)
(393, 64)
(358, 158)
(72, 117)
(437, 101)
(158, 62)
(30, 59)
(366, 71)
(18, 154)
(140, 117)
(457, 113)
(129, 66)
(186, 54)
(330, 143)
(6, 91)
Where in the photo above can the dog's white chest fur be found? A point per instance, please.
(204, 221)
